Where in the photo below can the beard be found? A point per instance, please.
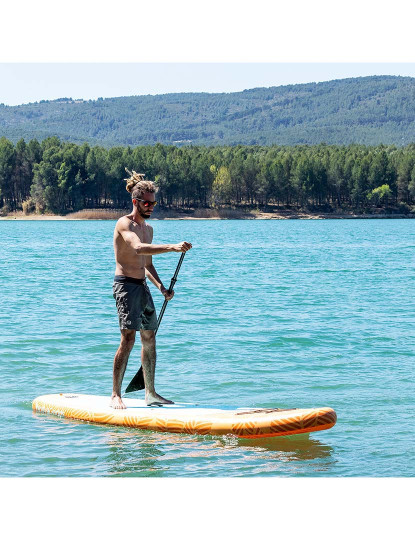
(144, 214)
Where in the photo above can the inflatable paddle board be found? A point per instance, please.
(181, 418)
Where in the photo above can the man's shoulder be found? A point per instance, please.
(124, 222)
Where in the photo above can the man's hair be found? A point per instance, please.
(137, 186)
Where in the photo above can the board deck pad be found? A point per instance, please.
(247, 422)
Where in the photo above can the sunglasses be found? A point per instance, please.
(147, 203)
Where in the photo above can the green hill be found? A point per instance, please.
(366, 110)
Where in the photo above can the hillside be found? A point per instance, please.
(365, 110)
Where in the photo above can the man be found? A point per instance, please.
(133, 257)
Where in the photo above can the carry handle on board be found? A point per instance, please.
(137, 383)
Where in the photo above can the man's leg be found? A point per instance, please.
(120, 365)
(148, 361)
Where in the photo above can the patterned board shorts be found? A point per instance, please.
(135, 305)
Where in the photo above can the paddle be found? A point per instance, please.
(137, 383)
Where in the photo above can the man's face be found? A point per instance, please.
(144, 210)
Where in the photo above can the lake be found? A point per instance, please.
(274, 313)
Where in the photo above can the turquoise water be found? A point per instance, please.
(266, 313)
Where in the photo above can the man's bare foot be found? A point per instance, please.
(156, 399)
(117, 402)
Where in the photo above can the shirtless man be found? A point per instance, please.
(133, 256)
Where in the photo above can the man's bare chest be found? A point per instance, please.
(143, 233)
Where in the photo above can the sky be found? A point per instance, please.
(30, 82)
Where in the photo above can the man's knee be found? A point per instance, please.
(128, 338)
(148, 338)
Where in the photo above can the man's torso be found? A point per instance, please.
(127, 261)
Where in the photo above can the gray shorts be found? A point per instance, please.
(135, 305)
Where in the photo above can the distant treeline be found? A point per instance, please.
(61, 177)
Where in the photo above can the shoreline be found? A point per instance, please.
(204, 214)
(179, 216)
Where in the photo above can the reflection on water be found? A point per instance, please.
(295, 446)
(150, 454)
(132, 456)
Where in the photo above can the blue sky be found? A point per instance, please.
(29, 82)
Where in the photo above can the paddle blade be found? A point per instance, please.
(137, 383)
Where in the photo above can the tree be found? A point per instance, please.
(404, 168)
(44, 190)
(22, 174)
(411, 185)
(7, 162)
(96, 183)
(116, 175)
(222, 186)
(201, 175)
(380, 194)
(360, 184)
(303, 180)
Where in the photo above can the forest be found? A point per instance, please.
(364, 110)
(60, 177)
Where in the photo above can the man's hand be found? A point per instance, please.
(182, 247)
(167, 295)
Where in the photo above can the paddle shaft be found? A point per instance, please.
(170, 290)
(137, 382)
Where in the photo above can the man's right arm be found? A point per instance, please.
(132, 240)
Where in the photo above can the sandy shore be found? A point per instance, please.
(32, 217)
(182, 216)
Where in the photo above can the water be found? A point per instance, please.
(267, 313)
